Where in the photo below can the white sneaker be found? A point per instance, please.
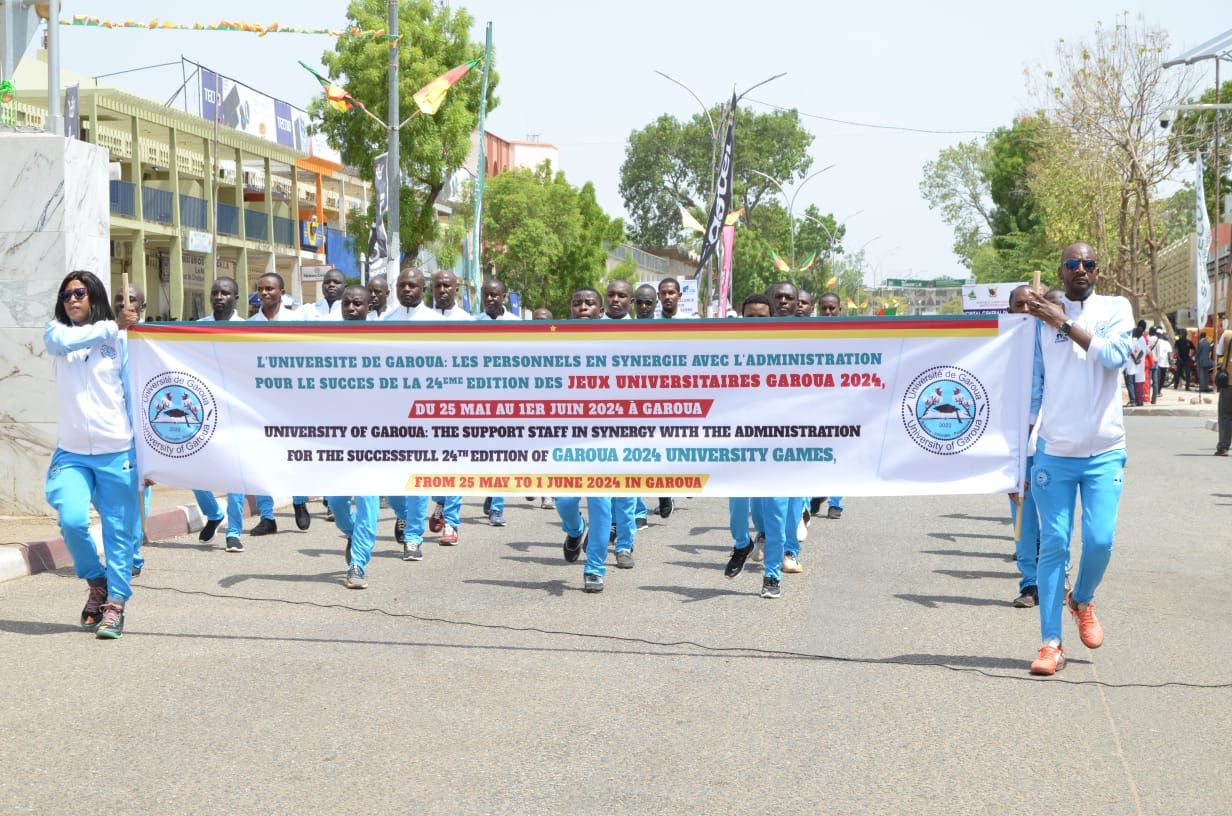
(801, 531)
(790, 564)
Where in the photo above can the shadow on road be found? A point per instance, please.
(320, 578)
(953, 537)
(555, 588)
(970, 554)
(969, 574)
(694, 594)
(964, 517)
(935, 601)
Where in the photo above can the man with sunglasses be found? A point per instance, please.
(644, 302)
(1076, 408)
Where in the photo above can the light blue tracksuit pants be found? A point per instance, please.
(235, 510)
(602, 511)
(771, 516)
(358, 522)
(1056, 481)
(265, 505)
(109, 482)
(414, 511)
(453, 509)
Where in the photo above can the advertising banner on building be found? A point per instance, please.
(243, 108)
(812, 407)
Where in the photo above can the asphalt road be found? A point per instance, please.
(891, 677)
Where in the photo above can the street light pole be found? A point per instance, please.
(714, 146)
(791, 205)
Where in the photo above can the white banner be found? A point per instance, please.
(861, 406)
(987, 298)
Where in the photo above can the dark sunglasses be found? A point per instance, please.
(645, 302)
(1072, 264)
(74, 294)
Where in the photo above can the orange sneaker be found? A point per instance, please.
(1050, 661)
(1089, 630)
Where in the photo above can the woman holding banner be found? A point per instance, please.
(94, 461)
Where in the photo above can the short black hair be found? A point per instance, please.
(756, 297)
(281, 283)
(100, 305)
(669, 282)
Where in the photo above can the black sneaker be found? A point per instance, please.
(302, 518)
(592, 582)
(136, 570)
(574, 546)
(412, 552)
(92, 612)
(624, 559)
(815, 504)
(399, 530)
(770, 588)
(487, 506)
(264, 527)
(641, 523)
(834, 513)
(348, 551)
(735, 564)
(1027, 599)
(207, 532)
(111, 627)
(666, 506)
(612, 538)
(234, 544)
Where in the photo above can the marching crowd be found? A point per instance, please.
(1077, 433)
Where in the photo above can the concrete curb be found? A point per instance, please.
(33, 557)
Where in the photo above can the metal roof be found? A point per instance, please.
(1217, 48)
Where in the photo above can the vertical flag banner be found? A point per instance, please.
(378, 246)
(1202, 231)
(722, 194)
(429, 98)
(725, 276)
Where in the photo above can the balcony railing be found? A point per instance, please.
(123, 199)
(255, 226)
(284, 231)
(228, 219)
(156, 204)
(193, 212)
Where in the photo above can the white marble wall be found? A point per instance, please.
(54, 218)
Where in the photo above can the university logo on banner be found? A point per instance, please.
(181, 414)
(945, 410)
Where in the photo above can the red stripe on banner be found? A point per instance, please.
(881, 326)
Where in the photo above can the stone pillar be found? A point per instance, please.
(54, 218)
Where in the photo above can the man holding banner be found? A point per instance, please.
(1075, 404)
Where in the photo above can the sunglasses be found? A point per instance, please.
(645, 302)
(1072, 264)
(79, 293)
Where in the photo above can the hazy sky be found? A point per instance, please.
(581, 76)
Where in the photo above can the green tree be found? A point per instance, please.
(670, 162)
(1178, 214)
(982, 190)
(1096, 177)
(1194, 131)
(434, 39)
(544, 237)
